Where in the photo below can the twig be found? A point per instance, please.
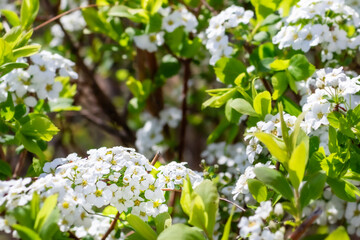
(112, 226)
(20, 164)
(207, 5)
(306, 224)
(63, 14)
(266, 85)
(156, 158)
(187, 75)
(236, 205)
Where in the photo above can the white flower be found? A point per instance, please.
(149, 42)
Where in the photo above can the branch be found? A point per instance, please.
(306, 224)
(155, 159)
(187, 75)
(112, 226)
(236, 205)
(20, 164)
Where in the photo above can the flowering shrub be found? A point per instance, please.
(260, 98)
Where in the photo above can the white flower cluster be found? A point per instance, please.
(149, 138)
(254, 227)
(178, 18)
(73, 22)
(118, 177)
(38, 81)
(217, 41)
(232, 156)
(328, 89)
(318, 22)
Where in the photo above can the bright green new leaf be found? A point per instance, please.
(343, 189)
(162, 222)
(227, 227)
(141, 227)
(8, 67)
(297, 164)
(300, 68)
(26, 51)
(39, 127)
(198, 216)
(30, 145)
(227, 69)
(35, 205)
(28, 12)
(136, 15)
(26, 233)
(231, 114)
(262, 103)
(275, 145)
(218, 101)
(45, 212)
(280, 65)
(151, 5)
(264, 8)
(280, 84)
(186, 198)
(50, 227)
(275, 180)
(286, 6)
(339, 233)
(243, 107)
(11, 16)
(257, 189)
(312, 189)
(181, 231)
(208, 192)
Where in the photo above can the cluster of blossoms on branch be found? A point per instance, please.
(170, 21)
(41, 80)
(217, 42)
(330, 24)
(118, 177)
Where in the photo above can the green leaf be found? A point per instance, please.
(343, 189)
(26, 51)
(339, 233)
(280, 84)
(275, 180)
(135, 15)
(11, 16)
(7, 108)
(28, 12)
(45, 212)
(227, 227)
(141, 227)
(220, 100)
(280, 65)
(218, 131)
(290, 106)
(50, 227)
(39, 127)
(208, 192)
(8, 67)
(227, 69)
(230, 113)
(312, 189)
(198, 216)
(243, 107)
(162, 222)
(151, 5)
(26, 233)
(257, 189)
(262, 103)
(30, 145)
(35, 205)
(264, 8)
(300, 68)
(286, 6)
(5, 168)
(297, 164)
(181, 231)
(275, 145)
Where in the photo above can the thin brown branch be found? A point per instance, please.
(63, 14)
(187, 75)
(155, 159)
(207, 5)
(266, 85)
(112, 226)
(306, 224)
(20, 164)
(236, 205)
(2, 154)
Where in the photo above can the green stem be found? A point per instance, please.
(252, 34)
